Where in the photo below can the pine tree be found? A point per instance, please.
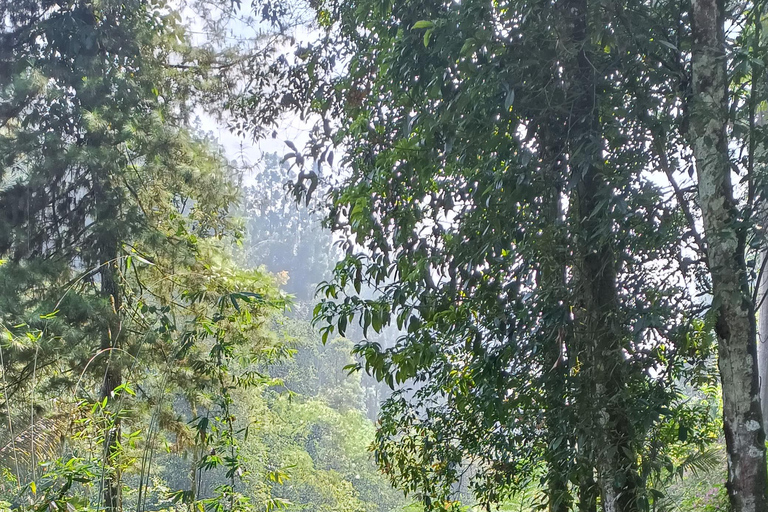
(115, 229)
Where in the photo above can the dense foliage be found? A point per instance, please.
(501, 198)
(117, 288)
(141, 365)
(542, 216)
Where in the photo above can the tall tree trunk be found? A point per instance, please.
(552, 283)
(560, 440)
(600, 339)
(112, 379)
(735, 325)
(107, 252)
(762, 341)
(588, 491)
(598, 329)
(756, 149)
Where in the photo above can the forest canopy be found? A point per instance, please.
(491, 255)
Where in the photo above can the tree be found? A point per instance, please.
(115, 231)
(469, 126)
(732, 302)
(409, 120)
(318, 435)
(284, 236)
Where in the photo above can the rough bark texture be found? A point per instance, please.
(601, 349)
(758, 119)
(735, 326)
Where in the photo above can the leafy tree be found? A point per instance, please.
(284, 236)
(499, 203)
(323, 451)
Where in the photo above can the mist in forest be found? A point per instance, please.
(383, 256)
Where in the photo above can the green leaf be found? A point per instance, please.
(427, 36)
(468, 47)
(143, 260)
(668, 45)
(423, 24)
(509, 100)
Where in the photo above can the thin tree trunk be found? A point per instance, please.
(112, 379)
(107, 241)
(553, 282)
(735, 324)
(559, 440)
(588, 492)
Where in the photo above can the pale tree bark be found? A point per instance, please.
(757, 119)
(735, 325)
(762, 341)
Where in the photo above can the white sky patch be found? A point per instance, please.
(243, 30)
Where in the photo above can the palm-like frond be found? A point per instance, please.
(38, 441)
(701, 462)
